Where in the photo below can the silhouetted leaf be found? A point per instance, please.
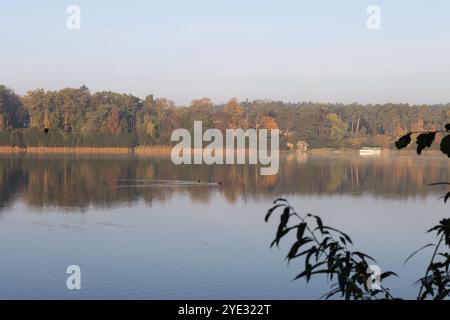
(425, 140)
(363, 256)
(293, 251)
(404, 141)
(301, 275)
(284, 218)
(434, 228)
(271, 210)
(301, 230)
(282, 227)
(375, 292)
(296, 246)
(318, 221)
(308, 272)
(320, 271)
(341, 233)
(446, 197)
(282, 231)
(280, 234)
(417, 251)
(445, 145)
(308, 266)
(306, 251)
(447, 127)
(388, 274)
(440, 183)
(330, 294)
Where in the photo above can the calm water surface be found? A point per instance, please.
(143, 228)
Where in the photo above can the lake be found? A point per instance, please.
(143, 228)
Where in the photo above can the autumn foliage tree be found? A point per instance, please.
(266, 122)
(78, 117)
(114, 121)
(235, 115)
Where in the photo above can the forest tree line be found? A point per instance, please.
(75, 117)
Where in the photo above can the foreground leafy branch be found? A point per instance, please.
(326, 252)
(425, 139)
(436, 282)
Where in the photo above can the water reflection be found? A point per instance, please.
(81, 181)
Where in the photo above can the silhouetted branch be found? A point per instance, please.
(325, 251)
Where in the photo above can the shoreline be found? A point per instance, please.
(164, 150)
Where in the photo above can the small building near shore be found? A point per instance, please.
(302, 146)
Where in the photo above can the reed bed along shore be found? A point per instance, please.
(88, 150)
(112, 150)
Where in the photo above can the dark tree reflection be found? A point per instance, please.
(79, 181)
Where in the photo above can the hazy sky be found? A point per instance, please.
(290, 50)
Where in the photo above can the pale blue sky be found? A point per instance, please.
(289, 50)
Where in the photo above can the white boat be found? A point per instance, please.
(365, 151)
